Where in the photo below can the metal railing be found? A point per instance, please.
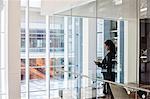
(91, 87)
(140, 91)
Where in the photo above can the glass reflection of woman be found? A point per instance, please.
(107, 65)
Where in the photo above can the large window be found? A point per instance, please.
(37, 53)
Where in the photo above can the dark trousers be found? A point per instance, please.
(111, 77)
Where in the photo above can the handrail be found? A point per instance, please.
(107, 81)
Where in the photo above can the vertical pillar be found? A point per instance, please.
(73, 49)
(130, 52)
(12, 49)
(66, 51)
(47, 58)
(27, 69)
(92, 46)
(89, 50)
(85, 51)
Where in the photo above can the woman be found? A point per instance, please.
(108, 65)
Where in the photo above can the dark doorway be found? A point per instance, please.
(144, 51)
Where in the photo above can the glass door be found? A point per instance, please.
(144, 64)
(144, 51)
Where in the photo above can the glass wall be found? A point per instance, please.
(76, 39)
(70, 40)
(115, 20)
(62, 56)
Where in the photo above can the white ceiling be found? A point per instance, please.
(49, 7)
(33, 3)
(118, 9)
(113, 9)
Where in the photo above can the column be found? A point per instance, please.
(130, 51)
(66, 51)
(89, 50)
(27, 68)
(47, 58)
(85, 51)
(12, 49)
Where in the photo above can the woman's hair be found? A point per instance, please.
(111, 46)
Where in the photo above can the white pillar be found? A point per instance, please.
(85, 51)
(66, 51)
(89, 49)
(47, 58)
(12, 49)
(27, 69)
(130, 51)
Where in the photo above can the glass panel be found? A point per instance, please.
(37, 31)
(56, 55)
(116, 21)
(114, 31)
(37, 44)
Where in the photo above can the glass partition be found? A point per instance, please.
(117, 23)
(115, 20)
(76, 39)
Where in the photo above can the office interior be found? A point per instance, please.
(48, 48)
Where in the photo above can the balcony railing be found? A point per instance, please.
(42, 50)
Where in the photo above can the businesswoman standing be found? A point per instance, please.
(108, 65)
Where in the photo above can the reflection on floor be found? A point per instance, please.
(68, 90)
(38, 90)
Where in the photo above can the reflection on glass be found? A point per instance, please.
(111, 15)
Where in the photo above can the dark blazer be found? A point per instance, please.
(108, 66)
